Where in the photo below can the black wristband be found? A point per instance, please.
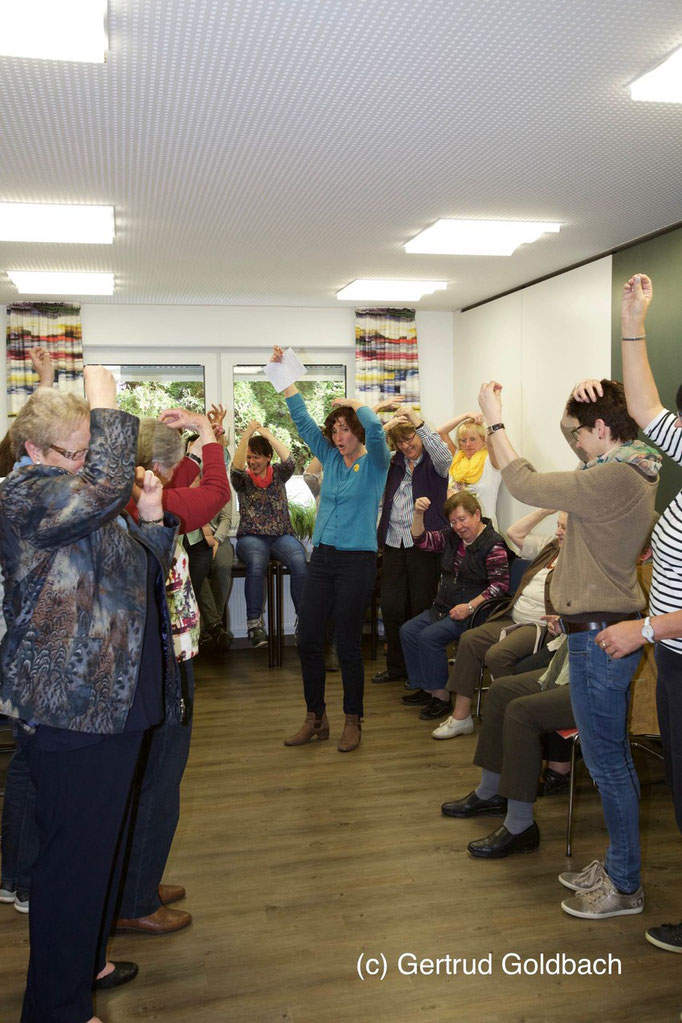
(195, 458)
(151, 522)
(494, 427)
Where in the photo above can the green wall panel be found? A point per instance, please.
(661, 259)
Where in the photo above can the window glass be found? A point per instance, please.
(146, 390)
(255, 398)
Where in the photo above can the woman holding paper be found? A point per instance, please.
(355, 457)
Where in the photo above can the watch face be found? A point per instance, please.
(648, 632)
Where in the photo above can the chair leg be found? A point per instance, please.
(571, 795)
(272, 639)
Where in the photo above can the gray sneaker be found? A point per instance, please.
(585, 880)
(604, 901)
(258, 636)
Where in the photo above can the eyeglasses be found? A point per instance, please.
(407, 440)
(72, 456)
(575, 433)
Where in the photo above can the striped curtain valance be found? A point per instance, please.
(386, 358)
(55, 326)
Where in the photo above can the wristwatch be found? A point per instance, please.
(648, 630)
(494, 427)
(195, 458)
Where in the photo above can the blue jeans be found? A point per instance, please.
(424, 642)
(156, 808)
(20, 839)
(255, 552)
(600, 695)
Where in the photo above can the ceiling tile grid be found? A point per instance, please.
(270, 151)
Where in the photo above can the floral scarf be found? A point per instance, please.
(636, 452)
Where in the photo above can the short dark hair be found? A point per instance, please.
(260, 446)
(612, 408)
(462, 499)
(352, 422)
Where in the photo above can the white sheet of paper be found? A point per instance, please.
(288, 371)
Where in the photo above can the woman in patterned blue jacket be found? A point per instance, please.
(87, 666)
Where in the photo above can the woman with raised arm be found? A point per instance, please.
(473, 466)
(663, 625)
(354, 456)
(264, 524)
(87, 666)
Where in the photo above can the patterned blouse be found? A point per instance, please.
(264, 511)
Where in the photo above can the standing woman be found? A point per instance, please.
(663, 626)
(264, 524)
(354, 455)
(86, 667)
(473, 466)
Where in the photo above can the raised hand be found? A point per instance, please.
(637, 295)
(490, 401)
(588, 390)
(42, 364)
(149, 496)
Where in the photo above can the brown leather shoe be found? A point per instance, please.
(351, 735)
(312, 728)
(171, 893)
(164, 921)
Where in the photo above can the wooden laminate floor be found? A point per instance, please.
(299, 861)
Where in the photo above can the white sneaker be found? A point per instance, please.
(452, 727)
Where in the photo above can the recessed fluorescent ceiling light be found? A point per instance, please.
(393, 291)
(54, 29)
(46, 222)
(663, 84)
(478, 237)
(38, 283)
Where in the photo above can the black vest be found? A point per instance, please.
(472, 577)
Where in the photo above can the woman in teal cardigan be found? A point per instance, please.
(340, 579)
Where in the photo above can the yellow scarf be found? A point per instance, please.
(468, 470)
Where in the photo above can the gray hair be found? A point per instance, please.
(158, 444)
(46, 416)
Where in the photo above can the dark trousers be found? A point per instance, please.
(82, 803)
(517, 716)
(156, 807)
(409, 582)
(337, 583)
(483, 645)
(19, 830)
(669, 706)
(200, 556)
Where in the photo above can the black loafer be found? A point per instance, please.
(471, 806)
(554, 782)
(121, 974)
(386, 676)
(502, 843)
(416, 697)
(436, 708)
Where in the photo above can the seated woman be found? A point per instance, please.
(264, 525)
(473, 467)
(513, 631)
(87, 666)
(474, 567)
(520, 711)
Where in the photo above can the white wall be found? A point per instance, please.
(537, 343)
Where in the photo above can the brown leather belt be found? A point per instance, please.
(596, 626)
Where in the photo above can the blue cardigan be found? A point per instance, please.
(349, 501)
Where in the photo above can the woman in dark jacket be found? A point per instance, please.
(86, 618)
(474, 567)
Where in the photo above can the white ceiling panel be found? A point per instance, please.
(271, 151)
